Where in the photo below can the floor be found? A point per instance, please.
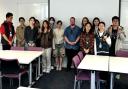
(60, 80)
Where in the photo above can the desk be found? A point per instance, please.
(24, 57)
(26, 88)
(119, 65)
(93, 63)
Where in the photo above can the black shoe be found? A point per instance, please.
(102, 85)
(68, 69)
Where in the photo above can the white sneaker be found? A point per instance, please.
(60, 68)
(48, 71)
(44, 70)
(118, 76)
(52, 67)
(57, 67)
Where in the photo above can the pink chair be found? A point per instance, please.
(79, 74)
(122, 53)
(17, 48)
(80, 55)
(34, 49)
(11, 69)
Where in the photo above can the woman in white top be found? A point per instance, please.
(58, 45)
(103, 40)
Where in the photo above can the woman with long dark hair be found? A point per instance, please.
(95, 24)
(85, 20)
(30, 33)
(87, 39)
(46, 37)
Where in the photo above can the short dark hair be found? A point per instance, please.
(21, 18)
(102, 23)
(51, 18)
(59, 21)
(72, 18)
(36, 20)
(115, 17)
(9, 14)
(32, 18)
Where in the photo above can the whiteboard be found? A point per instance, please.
(64, 9)
(38, 10)
(124, 17)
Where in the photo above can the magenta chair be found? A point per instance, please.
(83, 75)
(79, 74)
(34, 49)
(17, 48)
(80, 55)
(122, 53)
(10, 68)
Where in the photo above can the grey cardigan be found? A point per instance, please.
(120, 37)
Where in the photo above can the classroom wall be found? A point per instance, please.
(104, 9)
(25, 8)
(64, 9)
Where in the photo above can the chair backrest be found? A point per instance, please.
(10, 66)
(81, 56)
(0, 65)
(76, 61)
(17, 48)
(122, 53)
(34, 49)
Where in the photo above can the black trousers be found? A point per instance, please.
(70, 53)
(6, 47)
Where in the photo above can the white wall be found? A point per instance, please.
(5, 7)
(25, 8)
(64, 9)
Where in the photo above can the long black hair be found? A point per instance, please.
(83, 20)
(48, 27)
(93, 25)
(91, 31)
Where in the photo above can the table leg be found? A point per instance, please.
(111, 81)
(30, 74)
(0, 81)
(92, 86)
(39, 66)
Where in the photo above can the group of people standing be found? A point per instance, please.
(91, 38)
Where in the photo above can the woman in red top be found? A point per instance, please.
(87, 39)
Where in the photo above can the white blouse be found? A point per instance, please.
(58, 36)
